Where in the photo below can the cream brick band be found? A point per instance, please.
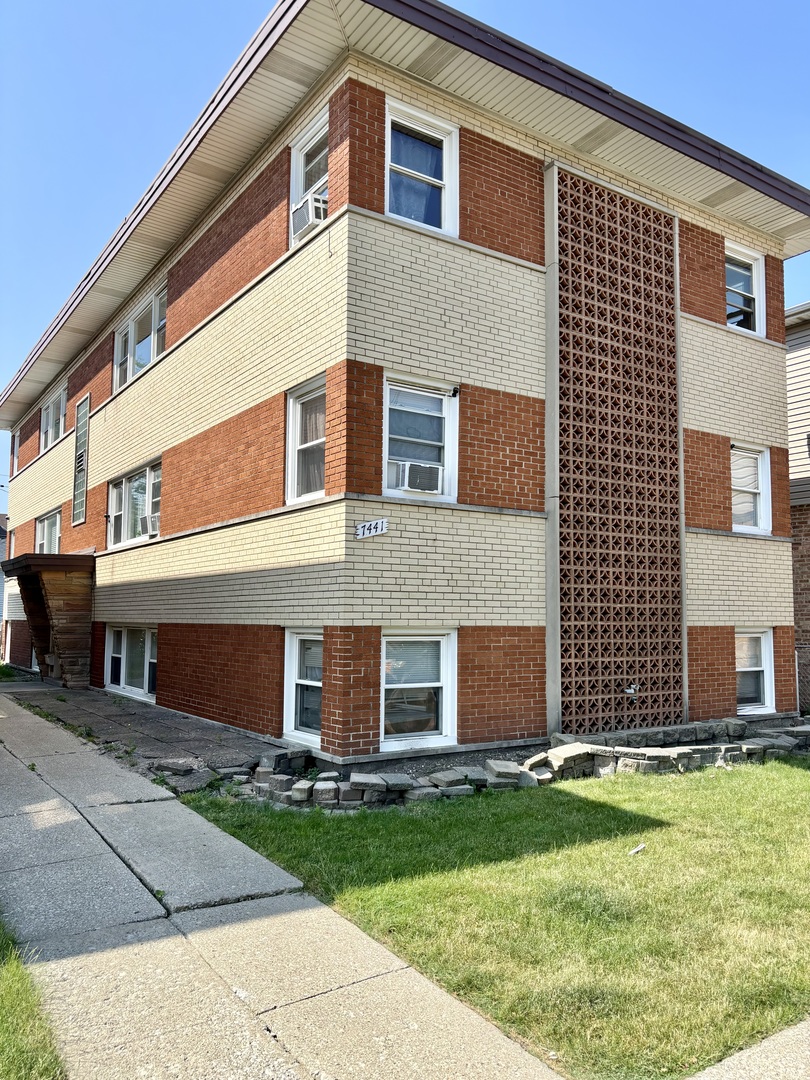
(737, 580)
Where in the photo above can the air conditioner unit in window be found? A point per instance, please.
(311, 211)
(150, 525)
(414, 476)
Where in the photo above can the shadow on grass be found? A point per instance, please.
(335, 852)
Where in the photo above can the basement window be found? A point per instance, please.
(303, 683)
(755, 683)
(132, 660)
(418, 690)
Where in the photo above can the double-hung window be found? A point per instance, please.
(141, 340)
(418, 690)
(754, 659)
(134, 506)
(745, 289)
(309, 178)
(303, 682)
(132, 659)
(422, 169)
(421, 440)
(306, 441)
(49, 533)
(15, 453)
(52, 421)
(750, 490)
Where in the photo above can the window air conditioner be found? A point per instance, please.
(150, 525)
(311, 211)
(414, 476)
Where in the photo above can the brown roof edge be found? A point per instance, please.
(506, 52)
(33, 564)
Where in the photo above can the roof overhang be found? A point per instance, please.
(36, 564)
(797, 316)
(298, 44)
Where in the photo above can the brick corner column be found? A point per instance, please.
(712, 672)
(354, 428)
(350, 709)
(357, 147)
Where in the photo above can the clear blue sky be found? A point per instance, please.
(96, 94)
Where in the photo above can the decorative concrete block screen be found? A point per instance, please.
(620, 552)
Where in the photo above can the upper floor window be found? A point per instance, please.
(134, 506)
(306, 441)
(49, 533)
(309, 178)
(52, 421)
(745, 289)
(15, 452)
(422, 169)
(141, 340)
(750, 490)
(421, 439)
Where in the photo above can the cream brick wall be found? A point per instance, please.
(44, 485)
(737, 580)
(435, 565)
(289, 328)
(733, 384)
(456, 567)
(427, 306)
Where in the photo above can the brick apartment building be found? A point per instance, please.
(797, 324)
(433, 394)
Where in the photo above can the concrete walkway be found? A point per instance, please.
(167, 949)
(784, 1056)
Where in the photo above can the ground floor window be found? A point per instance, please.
(754, 654)
(303, 685)
(132, 659)
(418, 690)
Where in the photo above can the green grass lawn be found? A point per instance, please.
(528, 906)
(27, 1050)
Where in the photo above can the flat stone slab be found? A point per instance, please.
(62, 898)
(48, 836)
(98, 781)
(194, 781)
(31, 738)
(448, 778)
(502, 770)
(457, 789)
(399, 1025)
(22, 791)
(138, 1001)
(397, 781)
(284, 948)
(190, 860)
(367, 782)
(424, 794)
(476, 776)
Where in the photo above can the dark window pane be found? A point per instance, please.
(402, 450)
(750, 688)
(412, 425)
(415, 199)
(152, 687)
(308, 708)
(418, 152)
(412, 711)
(310, 469)
(115, 670)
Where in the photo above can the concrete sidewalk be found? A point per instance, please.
(166, 948)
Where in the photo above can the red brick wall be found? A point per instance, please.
(350, 711)
(230, 673)
(703, 272)
(231, 470)
(247, 238)
(784, 668)
(712, 673)
(29, 440)
(800, 522)
(24, 538)
(501, 449)
(707, 480)
(357, 147)
(501, 683)
(94, 377)
(780, 492)
(500, 197)
(91, 534)
(21, 644)
(98, 646)
(354, 428)
(774, 299)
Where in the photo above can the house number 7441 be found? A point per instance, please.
(365, 529)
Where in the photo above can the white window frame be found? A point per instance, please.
(41, 525)
(424, 123)
(764, 465)
(15, 452)
(449, 393)
(449, 649)
(128, 328)
(298, 151)
(128, 691)
(291, 645)
(295, 398)
(766, 637)
(756, 260)
(55, 409)
(150, 471)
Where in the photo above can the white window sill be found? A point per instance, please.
(431, 496)
(139, 541)
(423, 225)
(423, 742)
(748, 530)
(310, 497)
(754, 710)
(303, 738)
(130, 692)
(748, 333)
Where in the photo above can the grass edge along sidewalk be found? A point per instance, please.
(27, 1046)
(529, 906)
